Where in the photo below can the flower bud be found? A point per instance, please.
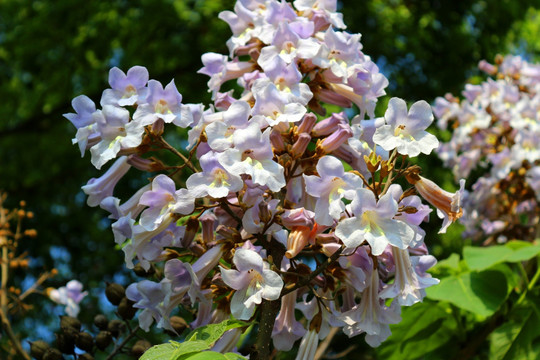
(126, 309)
(85, 341)
(277, 141)
(308, 121)
(103, 339)
(208, 221)
(328, 125)
(158, 126)
(335, 140)
(300, 145)
(115, 292)
(101, 322)
(86, 356)
(140, 163)
(38, 349)
(487, 67)
(52, 354)
(140, 347)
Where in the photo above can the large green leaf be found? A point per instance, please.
(173, 350)
(518, 338)
(206, 355)
(424, 328)
(211, 333)
(479, 292)
(480, 258)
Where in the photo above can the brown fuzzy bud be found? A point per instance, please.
(52, 354)
(85, 341)
(103, 339)
(101, 322)
(116, 327)
(115, 292)
(38, 349)
(140, 348)
(86, 357)
(126, 309)
(178, 324)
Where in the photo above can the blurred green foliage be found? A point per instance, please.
(52, 51)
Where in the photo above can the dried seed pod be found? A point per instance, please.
(139, 271)
(85, 341)
(65, 343)
(126, 309)
(101, 322)
(116, 327)
(70, 322)
(140, 347)
(38, 348)
(52, 354)
(103, 339)
(115, 292)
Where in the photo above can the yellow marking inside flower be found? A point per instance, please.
(129, 91)
(370, 218)
(220, 178)
(402, 133)
(162, 107)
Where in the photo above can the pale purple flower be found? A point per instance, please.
(330, 187)
(253, 155)
(406, 131)
(126, 89)
(374, 222)
(70, 296)
(410, 278)
(214, 180)
(163, 200)
(84, 108)
(116, 133)
(161, 103)
(220, 133)
(272, 106)
(148, 296)
(100, 188)
(286, 328)
(252, 280)
(371, 316)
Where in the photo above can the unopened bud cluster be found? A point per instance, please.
(281, 201)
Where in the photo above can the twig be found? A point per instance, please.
(325, 343)
(169, 147)
(314, 274)
(14, 341)
(123, 343)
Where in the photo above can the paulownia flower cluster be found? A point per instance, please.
(282, 202)
(496, 132)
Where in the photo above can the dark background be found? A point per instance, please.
(52, 51)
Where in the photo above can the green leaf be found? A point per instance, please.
(479, 292)
(518, 338)
(211, 333)
(173, 350)
(206, 355)
(482, 258)
(234, 356)
(425, 327)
